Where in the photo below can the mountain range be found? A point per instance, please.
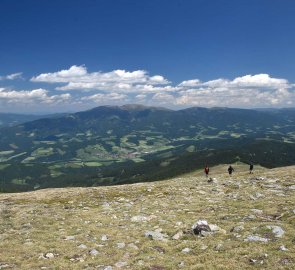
(133, 143)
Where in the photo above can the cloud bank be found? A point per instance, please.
(78, 87)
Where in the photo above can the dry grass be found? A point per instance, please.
(35, 223)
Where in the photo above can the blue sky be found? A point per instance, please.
(73, 55)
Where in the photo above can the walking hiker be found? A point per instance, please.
(230, 170)
(251, 168)
(206, 170)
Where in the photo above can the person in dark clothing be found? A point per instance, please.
(206, 170)
(251, 168)
(230, 170)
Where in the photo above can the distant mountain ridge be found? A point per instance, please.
(121, 144)
(12, 119)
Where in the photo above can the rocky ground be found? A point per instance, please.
(246, 221)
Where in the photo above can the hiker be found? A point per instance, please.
(251, 168)
(206, 170)
(230, 170)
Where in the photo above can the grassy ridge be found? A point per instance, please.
(71, 223)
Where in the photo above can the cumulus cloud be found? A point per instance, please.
(34, 97)
(13, 76)
(102, 98)
(258, 90)
(248, 91)
(78, 78)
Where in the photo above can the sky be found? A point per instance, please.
(65, 56)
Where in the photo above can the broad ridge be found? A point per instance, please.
(241, 221)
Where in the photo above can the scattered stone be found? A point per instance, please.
(139, 219)
(200, 226)
(108, 268)
(93, 252)
(4, 266)
(70, 238)
(257, 211)
(203, 247)
(77, 258)
(157, 267)
(255, 238)
(283, 248)
(49, 255)
(104, 238)
(181, 264)
(214, 228)
(292, 187)
(121, 245)
(276, 230)
(178, 235)
(156, 235)
(219, 247)
(260, 178)
(237, 228)
(121, 264)
(210, 180)
(186, 250)
(82, 246)
(159, 249)
(133, 246)
(285, 261)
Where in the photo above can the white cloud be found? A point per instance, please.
(78, 78)
(102, 98)
(34, 97)
(190, 83)
(259, 80)
(13, 76)
(258, 90)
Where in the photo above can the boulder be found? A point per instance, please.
(276, 230)
(200, 226)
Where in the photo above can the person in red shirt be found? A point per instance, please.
(206, 170)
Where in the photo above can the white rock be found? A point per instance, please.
(108, 268)
(121, 264)
(139, 219)
(4, 266)
(276, 230)
(255, 238)
(156, 235)
(82, 246)
(133, 246)
(186, 250)
(121, 245)
(70, 238)
(214, 227)
(181, 264)
(93, 252)
(202, 222)
(283, 248)
(177, 236)
(49, 255)
(237, 228)
(104, 238)
(203, 247)
(257, 211)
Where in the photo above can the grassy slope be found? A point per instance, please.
(35, 223)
